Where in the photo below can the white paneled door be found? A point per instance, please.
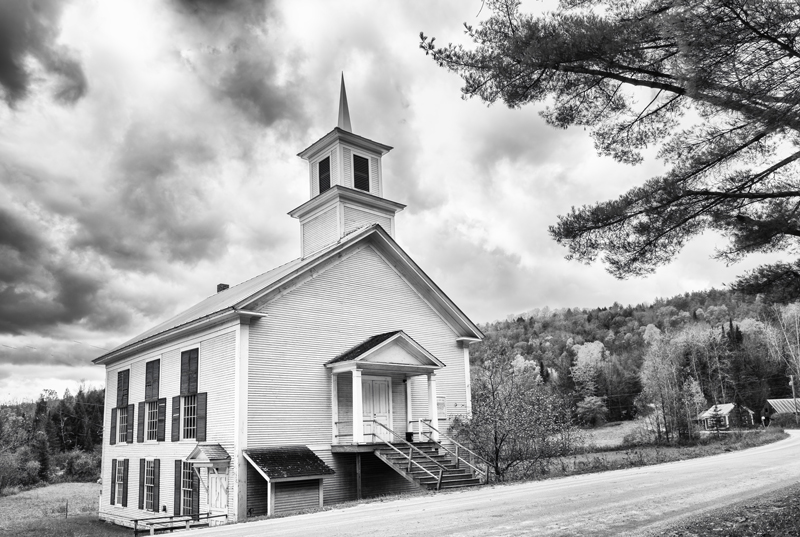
(217, 494)
(377, 405)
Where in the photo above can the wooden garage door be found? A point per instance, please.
(296, 495)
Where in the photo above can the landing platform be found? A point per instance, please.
(368, 448)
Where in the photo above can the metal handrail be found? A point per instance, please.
(441, 434)
(410, 458)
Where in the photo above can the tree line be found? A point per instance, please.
(51, 439)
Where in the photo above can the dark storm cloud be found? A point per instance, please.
(29, 29)
(158, 209)
(235, 62)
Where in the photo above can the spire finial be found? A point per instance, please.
(344, 111)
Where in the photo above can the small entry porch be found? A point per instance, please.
(373, 393)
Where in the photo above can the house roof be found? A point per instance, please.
(288, 462)
(235, 299)
(782, 406)
(723, 409)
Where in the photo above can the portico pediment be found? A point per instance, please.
(389, 352)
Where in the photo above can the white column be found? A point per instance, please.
(334, 408)
(409, 406)
(433, 410)
(358, 412)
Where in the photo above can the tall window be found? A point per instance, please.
(120, 482)
(324, 174)
(186, 489)
(152, 420)
(361, 173)
(122, 427)
(189, 416)
(149, 482)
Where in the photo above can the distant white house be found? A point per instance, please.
(280, 393)
(729, 415)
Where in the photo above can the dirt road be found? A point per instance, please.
(624, 502)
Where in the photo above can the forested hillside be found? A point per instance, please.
(53, 439)
(703, 347)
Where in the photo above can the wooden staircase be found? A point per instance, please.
(429, 468)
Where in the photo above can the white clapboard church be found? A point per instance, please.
(299, 387)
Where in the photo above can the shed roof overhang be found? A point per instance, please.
(392, 352)
(287, 463)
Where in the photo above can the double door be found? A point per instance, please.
(376, 400)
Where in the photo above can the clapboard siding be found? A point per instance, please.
(256, 493)
(341, 487)
(374, 179)
(356, 298)
(315, 179)
(319, 231)
(356, 218)
(215, 377)
(296, 496)
(377, 479)
(334, 167)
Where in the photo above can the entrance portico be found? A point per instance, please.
(380, 371)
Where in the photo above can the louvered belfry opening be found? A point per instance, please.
(324, 174)
(361, 173)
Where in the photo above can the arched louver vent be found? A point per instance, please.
(361, 173)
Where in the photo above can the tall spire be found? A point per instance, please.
(344, 111)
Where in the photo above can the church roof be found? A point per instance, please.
(363, 347)
(235, 299)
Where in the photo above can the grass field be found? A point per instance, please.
(64, 510)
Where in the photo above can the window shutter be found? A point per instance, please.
(113, 439)
(189, 372)
(162, 419)
(141, 483)
(113, 481)
(202, 399)
(125, 483)
(176, 498)
(140, 426)
(184, 372)
(176, 418)
(122, 388)
(156, 379)
(148, 380)
(129, 424)
(195, 495)
(156, 485)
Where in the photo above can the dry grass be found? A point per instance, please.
(611, 434)
(43, 511)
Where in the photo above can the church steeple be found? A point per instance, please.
(344, 111)
(346, 184)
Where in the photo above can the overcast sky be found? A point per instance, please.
(148, 152)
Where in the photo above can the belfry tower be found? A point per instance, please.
(346, 185)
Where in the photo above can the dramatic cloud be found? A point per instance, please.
(28, 45)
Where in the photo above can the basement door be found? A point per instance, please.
(377, 404)
(217, 493)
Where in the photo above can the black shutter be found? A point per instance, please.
(113, 439)
(148, 381)
(324, 174)
(202, 399)
(176, 418)
(156, 485)
(122, 388)
(141, 483)
(162, 418)
(185, 372)
(176, 503)
(129, 424)
(361, 173)
(140, 427)
(195, 495)
(156, 378)
(125, 483)
(113, 480)
(193, 371)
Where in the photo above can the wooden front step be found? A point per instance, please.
(452, 477)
